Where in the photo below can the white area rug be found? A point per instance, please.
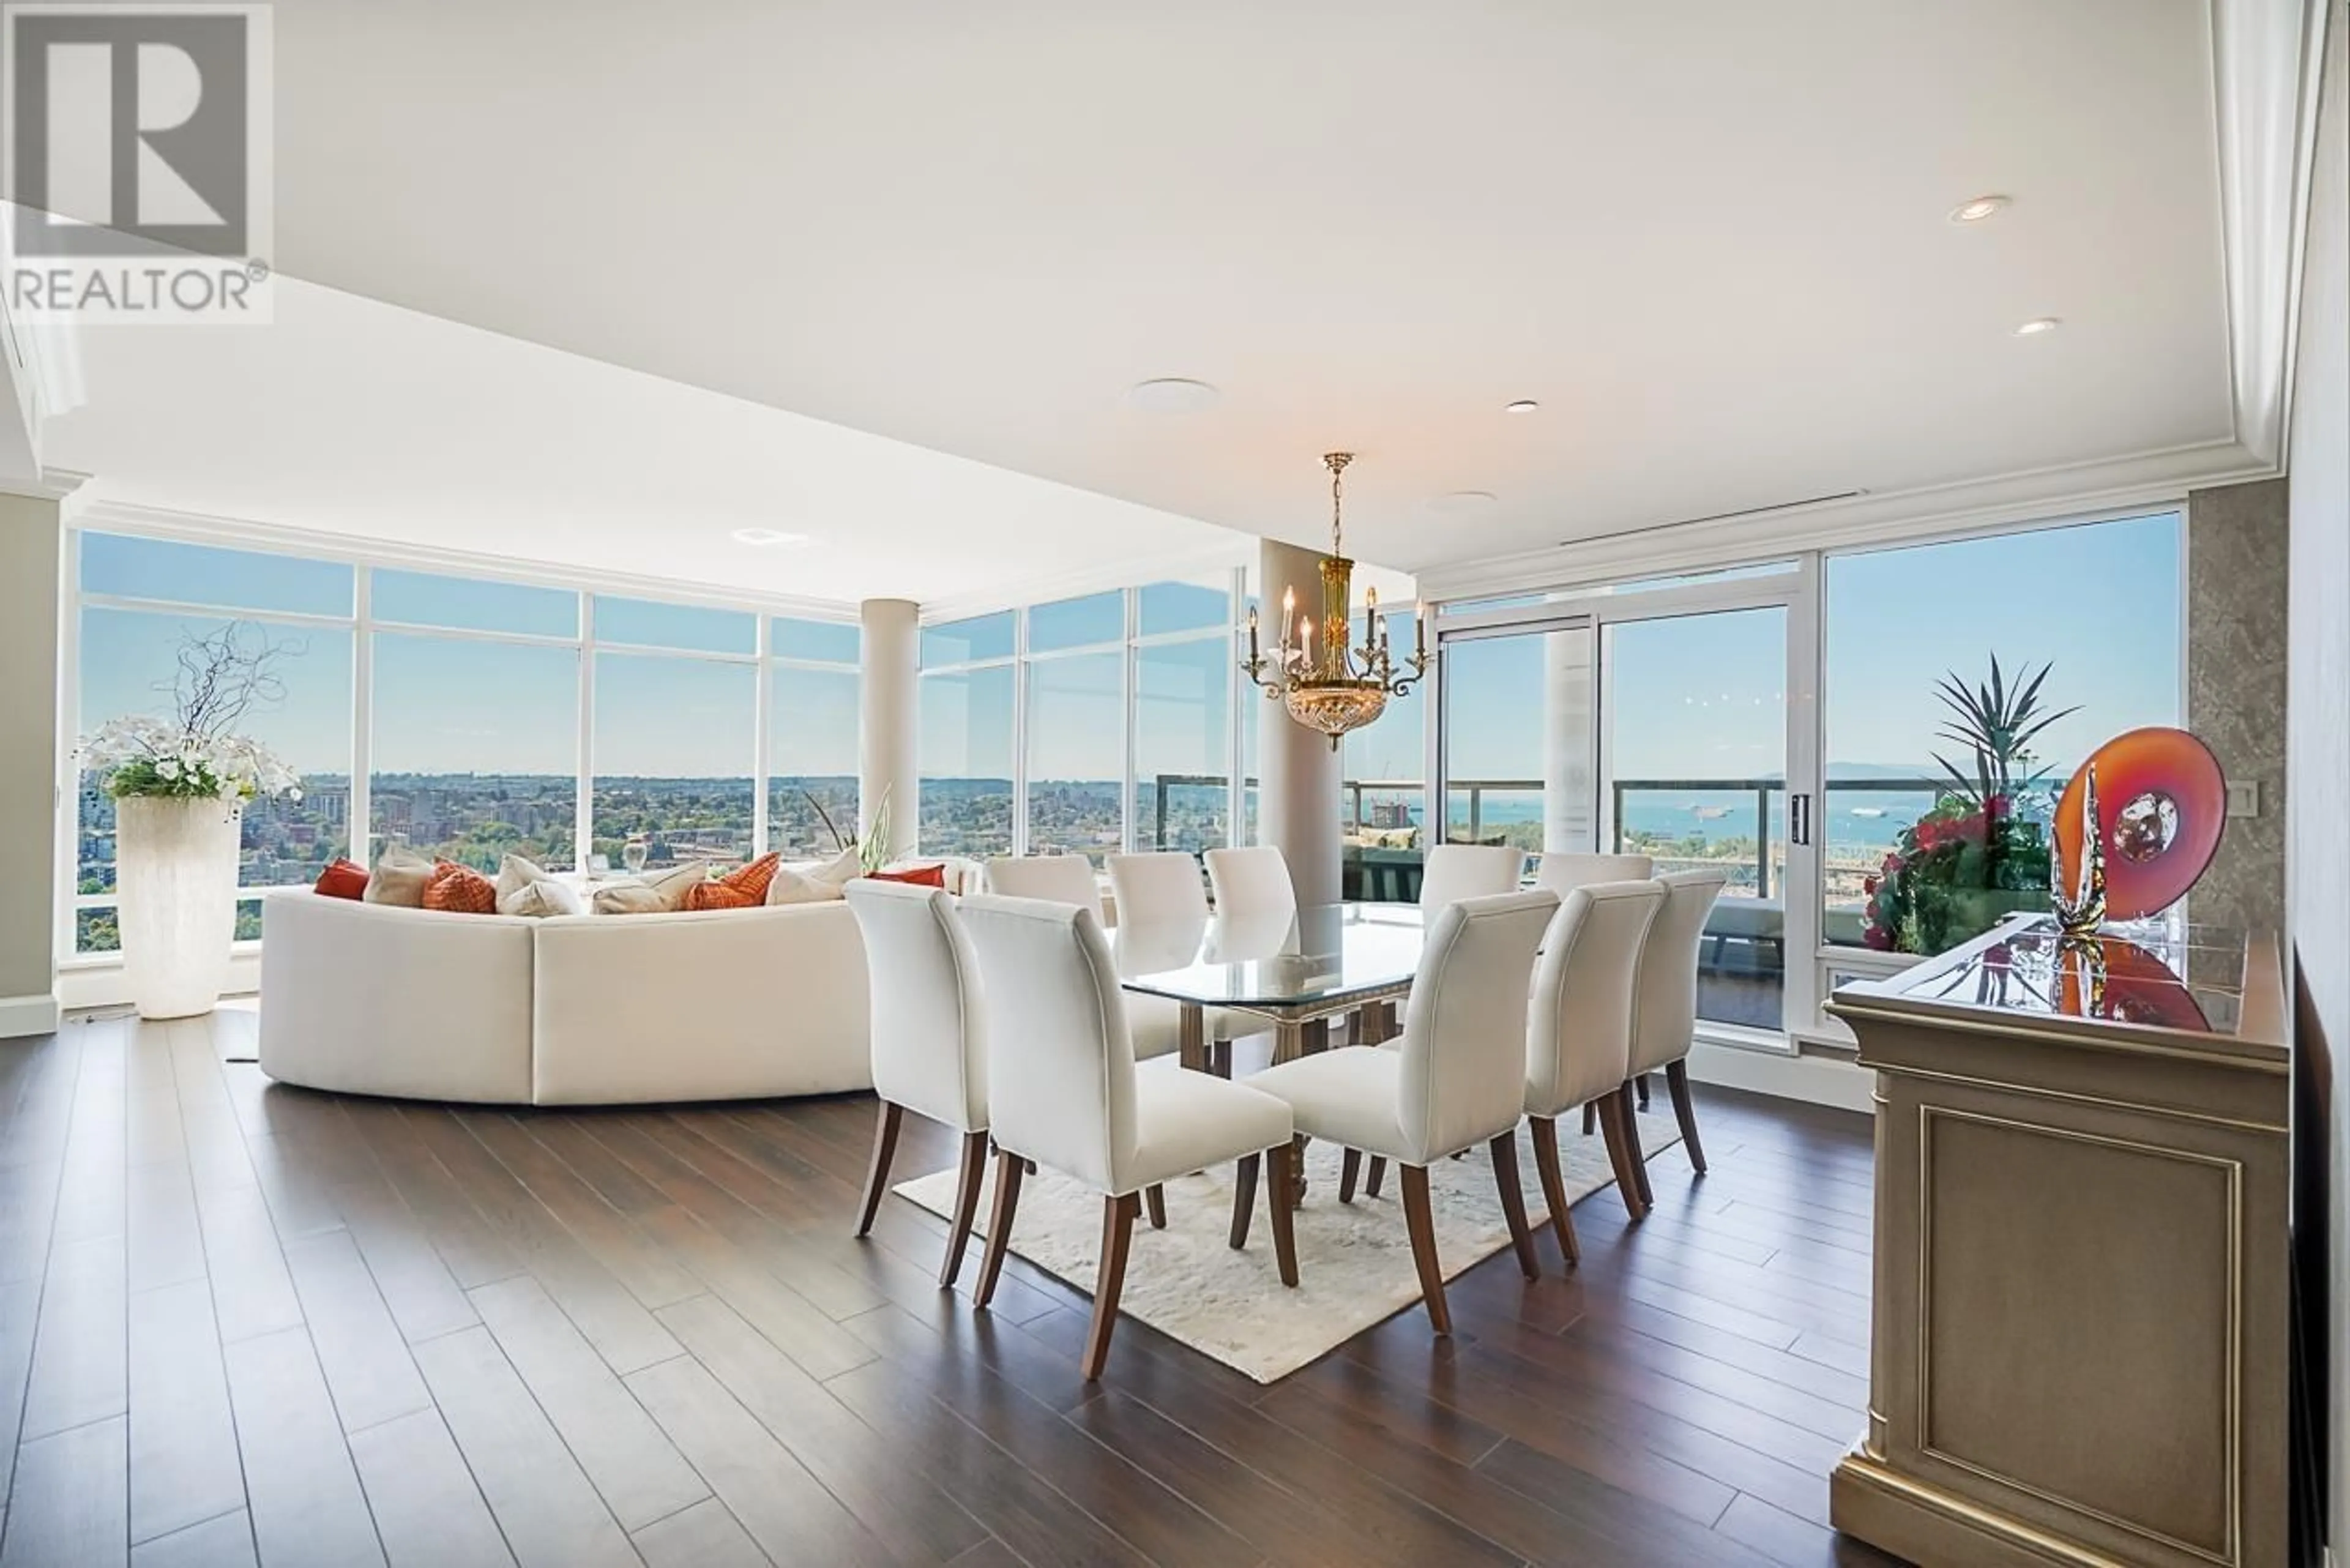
(1354, 1260)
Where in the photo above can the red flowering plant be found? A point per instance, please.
(1982, 851)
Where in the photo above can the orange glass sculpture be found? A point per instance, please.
(2161, 806)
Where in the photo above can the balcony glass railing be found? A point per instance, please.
(1682, 824)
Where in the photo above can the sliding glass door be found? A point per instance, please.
(1693, 722)
(1671, 720)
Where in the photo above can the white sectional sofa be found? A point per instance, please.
(372, 999)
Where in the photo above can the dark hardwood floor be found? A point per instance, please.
(240, 1321)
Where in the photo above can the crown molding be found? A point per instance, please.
(50, 484)
(208, 528)
(1043, 589)
(2267, 59)
(2077, 493)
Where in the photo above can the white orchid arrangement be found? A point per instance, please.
(192, 755)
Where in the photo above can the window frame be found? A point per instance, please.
(362, 627)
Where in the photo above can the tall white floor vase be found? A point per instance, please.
(175, 876)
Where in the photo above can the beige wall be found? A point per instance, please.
(29, 538)
(2236, 552)
(2318, 727)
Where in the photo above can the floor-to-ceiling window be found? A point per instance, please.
(2085, 619)
(151, 616)
(474, 749)
(812, 728)
(1076, 725)
(969, 734)
(1083, 725)
(1798, 725)
(1184, 685)
(675, 731)
(462, 715)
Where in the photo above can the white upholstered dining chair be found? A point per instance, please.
(1251, 882)
(1579, 1032)
(1456, 1078)
(1159, 893)
(1064, 878)
(1157, 1022)
(1063, 1091)
(930, 1043)
(1156, 887)
(1457, 871)
(1664, 1008)
(1563, 873)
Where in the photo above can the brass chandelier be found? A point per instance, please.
(1326, 685)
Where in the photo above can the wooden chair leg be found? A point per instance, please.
(966, 1204)
(1504, 1150)
(1117, 1234)
(1421, 1223)
(1553, 1186)
(1677, 1081)
(1350, 1168)
(1281, 1158)
(1642, 1082)
(1590, 1118)
(1614, 1118)
(1154, 1201)
(877, 1174)
(1639, 1155)
(1244, 1199)
(1009, 1169)
(1375, 1175)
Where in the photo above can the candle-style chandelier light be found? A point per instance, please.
(1325, 684)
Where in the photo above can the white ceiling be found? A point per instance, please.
(1710, 237)
(354, 418)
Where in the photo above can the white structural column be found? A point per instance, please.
(1300, 776)
(889, 715)
(1567, 783)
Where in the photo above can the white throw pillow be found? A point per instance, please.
(526, 888)
(815, 881)
(657, 892)
(790, 887)
(399, 878)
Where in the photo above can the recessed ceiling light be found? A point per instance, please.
(767, 536)
(1976, 211)
(1172, 395)
(2038, 324)
(1460, 503)
(1522, 406)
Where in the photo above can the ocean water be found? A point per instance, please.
(1852, 819)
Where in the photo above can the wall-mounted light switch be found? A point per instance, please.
(2243, 798)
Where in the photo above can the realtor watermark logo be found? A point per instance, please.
(136, 146)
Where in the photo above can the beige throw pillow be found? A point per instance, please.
(399, 878)
(526, 888)
(657, 892)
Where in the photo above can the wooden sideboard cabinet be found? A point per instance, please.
(2080, 1312)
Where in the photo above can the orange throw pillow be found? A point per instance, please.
(459, 891)
(738, 889)
(919, 876)
(342, 879)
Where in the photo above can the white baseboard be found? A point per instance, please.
(23, 1016)
(1820, 1080)
(102, 985)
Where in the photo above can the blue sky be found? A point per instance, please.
(1697, 697)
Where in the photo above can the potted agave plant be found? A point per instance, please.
(179, 788)
(1981, 852)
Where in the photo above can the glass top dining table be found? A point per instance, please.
(1296, 972)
